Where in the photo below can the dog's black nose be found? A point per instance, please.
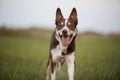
(64, 32)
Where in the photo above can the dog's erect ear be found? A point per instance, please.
(58, 15)
(73, 16)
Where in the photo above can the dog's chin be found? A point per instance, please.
(65, 39)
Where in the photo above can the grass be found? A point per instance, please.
(98, 59)
(25, 58)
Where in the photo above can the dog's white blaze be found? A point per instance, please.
(65, 27)
(70, 62)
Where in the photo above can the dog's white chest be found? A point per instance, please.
(57, 53)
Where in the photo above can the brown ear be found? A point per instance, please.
(73, 16)
(58, 14)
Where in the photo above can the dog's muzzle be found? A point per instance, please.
(65, 38)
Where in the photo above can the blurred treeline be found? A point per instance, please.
(40, 32)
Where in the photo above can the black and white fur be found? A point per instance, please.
(62, 46)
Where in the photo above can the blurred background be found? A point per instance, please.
(26, 27)
(101, 16)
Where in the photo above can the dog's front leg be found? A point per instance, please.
(53, 72)
(71, 70)
(70, 64)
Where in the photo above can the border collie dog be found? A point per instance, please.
(62, 45)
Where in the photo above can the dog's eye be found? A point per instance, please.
(69, 24)
(61, 24)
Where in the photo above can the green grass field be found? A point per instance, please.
(25, 58)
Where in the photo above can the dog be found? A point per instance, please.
(62, 45)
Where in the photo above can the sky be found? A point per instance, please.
(102, 16)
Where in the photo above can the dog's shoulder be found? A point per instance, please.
(53, 42)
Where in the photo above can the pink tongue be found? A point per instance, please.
(65, 41)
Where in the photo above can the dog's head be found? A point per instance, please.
(66, 28)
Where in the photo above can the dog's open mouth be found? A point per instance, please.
(65, 39)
